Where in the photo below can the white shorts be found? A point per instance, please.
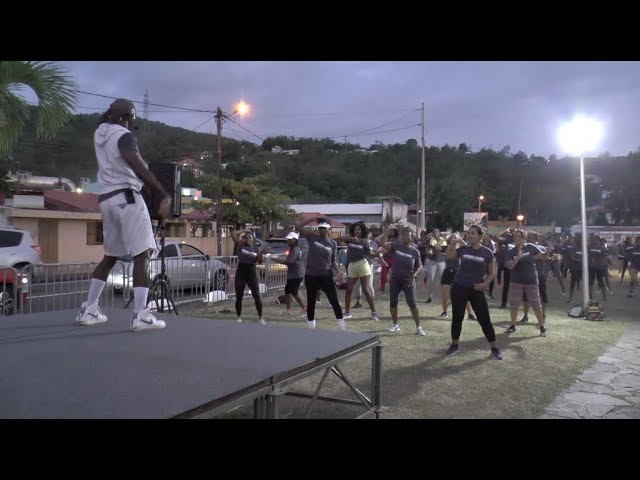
(126, 227)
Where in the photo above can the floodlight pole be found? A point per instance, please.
(585, 252)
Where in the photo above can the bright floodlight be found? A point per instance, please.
(242, 108)
(580, 135)
(520, 217)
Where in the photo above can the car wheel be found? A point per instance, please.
(220, 278)
(7, 306)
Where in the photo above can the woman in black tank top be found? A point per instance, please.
(246, 274)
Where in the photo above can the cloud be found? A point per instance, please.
(479, 103)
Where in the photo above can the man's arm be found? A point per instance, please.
(300, 227)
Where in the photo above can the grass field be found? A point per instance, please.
(419, 381)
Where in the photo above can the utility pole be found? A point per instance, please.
(417, 205)
(145, 109)
(423, 189)
(219, 184)
(345, 144)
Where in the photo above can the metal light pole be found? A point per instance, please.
(480, 199)
(578, 137)
(585, 261)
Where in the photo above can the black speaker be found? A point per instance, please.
(168, 174)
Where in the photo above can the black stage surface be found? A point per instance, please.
(51, 368)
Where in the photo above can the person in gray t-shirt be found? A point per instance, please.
(295, 272)
(321, 264)
(406, 266)
(521, 260)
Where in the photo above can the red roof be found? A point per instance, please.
(196, 215)
(71, 201)
(305, 215)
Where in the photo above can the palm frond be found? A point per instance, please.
(56, 92)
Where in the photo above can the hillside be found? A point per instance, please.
(326, 171)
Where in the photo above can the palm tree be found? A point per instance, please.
(56, 94)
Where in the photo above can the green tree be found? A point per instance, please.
(56, 94)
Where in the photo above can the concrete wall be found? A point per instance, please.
(72, 244)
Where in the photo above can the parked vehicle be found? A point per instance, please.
(187, 267)
(17, 248)
(14, 291)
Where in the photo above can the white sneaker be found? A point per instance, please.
(144, 320)
(303, 313)
(239, 320)
(262, 321)
(347, 315)
(311, 324)
(341, 325)
(374, 317)
(90, 315)
(394, 328)
(420, 331)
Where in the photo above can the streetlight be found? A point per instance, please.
(579, 136)
(480, 200)
(520, 218)
(242, 108)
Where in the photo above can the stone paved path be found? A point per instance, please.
(609, 389)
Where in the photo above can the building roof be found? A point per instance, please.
(71, 201)
(350, 209)
(196, 215)
(305, 215)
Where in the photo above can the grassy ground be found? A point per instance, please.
(420, 382)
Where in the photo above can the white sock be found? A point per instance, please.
(140, 298)
(95, 289)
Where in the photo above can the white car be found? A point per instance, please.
(187, 267)
(17, 248)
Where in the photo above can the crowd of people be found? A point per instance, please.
(466, 268)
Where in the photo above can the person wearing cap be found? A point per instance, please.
(321, 264)
(247, 275)
(295, 272)
(126, 223)
(406, 267)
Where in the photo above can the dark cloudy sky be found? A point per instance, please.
(484, 104)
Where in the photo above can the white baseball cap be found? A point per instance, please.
(291, 235)
(324, 225)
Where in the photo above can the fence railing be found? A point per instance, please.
(191, 280)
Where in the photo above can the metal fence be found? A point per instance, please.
(191, 281)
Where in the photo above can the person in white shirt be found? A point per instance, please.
(126, 223)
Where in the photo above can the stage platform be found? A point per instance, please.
(51, 368)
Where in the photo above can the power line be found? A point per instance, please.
(154, 104)
(385, 131)
(244, 128)
(384, 124)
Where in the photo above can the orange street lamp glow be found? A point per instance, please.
(242, 108)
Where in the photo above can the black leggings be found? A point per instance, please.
(505, 286)
(459, 297)
(324, 283)
(576, 278)
(247, 275)
(598, 273)
(399, 285)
